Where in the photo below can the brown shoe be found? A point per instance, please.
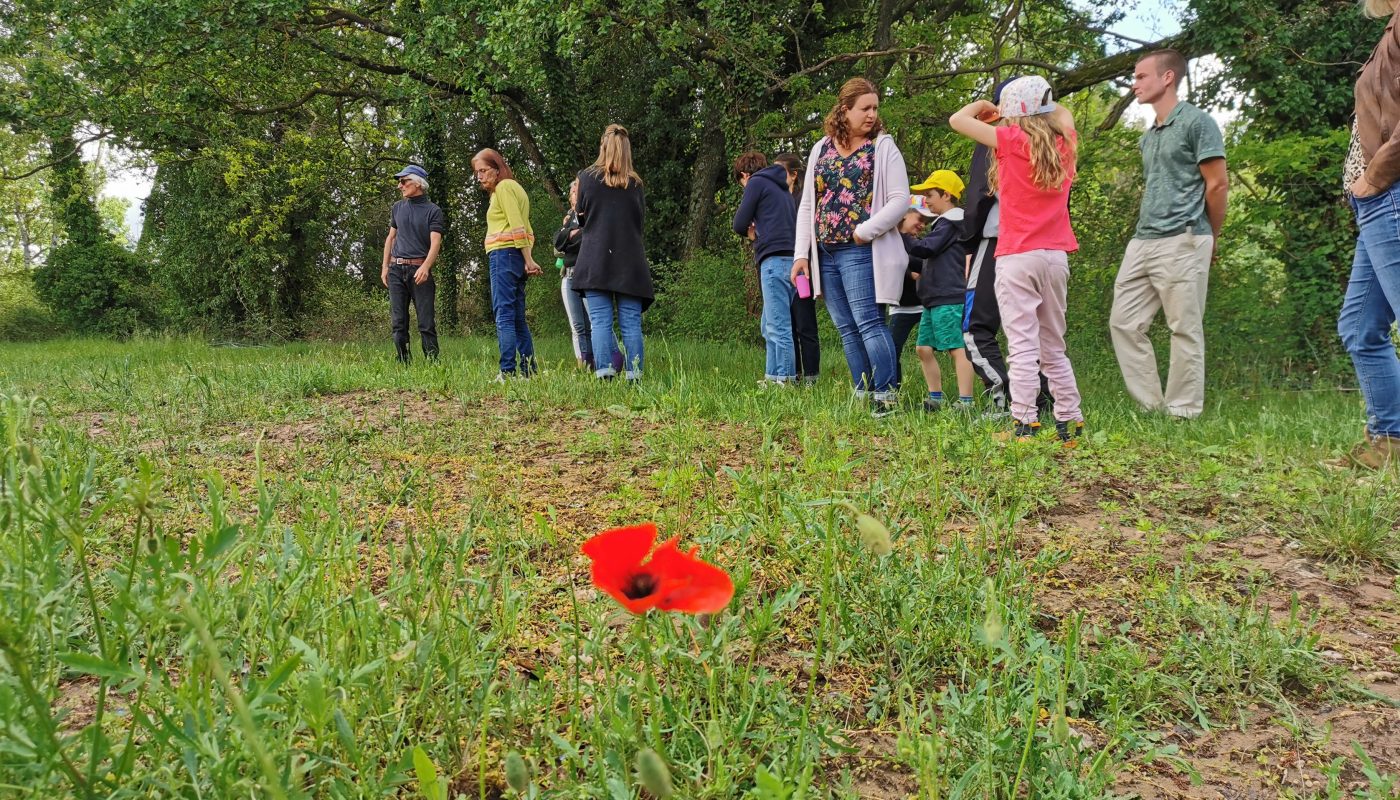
(1375, 452)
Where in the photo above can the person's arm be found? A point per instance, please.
(1217, 197)
(1063, 119)
(388, 247)
(748, 209)
(435, 244)
(943, 234)
(516, 205)
(965, 121)
(896, 200)
(802, 236)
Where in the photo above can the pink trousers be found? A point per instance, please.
(1031, 295)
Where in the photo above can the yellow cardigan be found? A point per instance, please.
(508, 218)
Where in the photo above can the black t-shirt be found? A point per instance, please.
(414, 218)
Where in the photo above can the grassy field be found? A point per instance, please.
(308, 571)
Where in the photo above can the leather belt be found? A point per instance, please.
(410, 262)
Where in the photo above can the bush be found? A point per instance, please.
(710, 297)
(97, 288)
(23, 317)
(344, 311)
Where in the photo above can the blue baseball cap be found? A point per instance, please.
(412, 169)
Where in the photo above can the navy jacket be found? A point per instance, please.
(772, 209)
(941, 281)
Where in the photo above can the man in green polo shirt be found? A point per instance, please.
(1167, 264)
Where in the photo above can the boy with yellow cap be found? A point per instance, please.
(942, 287)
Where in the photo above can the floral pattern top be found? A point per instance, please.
(843, 188)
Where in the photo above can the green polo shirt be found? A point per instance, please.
(1174, 200)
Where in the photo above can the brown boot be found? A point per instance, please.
(1375, 452)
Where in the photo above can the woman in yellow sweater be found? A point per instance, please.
(509, 238)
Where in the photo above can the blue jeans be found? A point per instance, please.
(848, 285)
(1371, 303)
(507, 269)
(775, 277)
(578, 320)
(629, 319)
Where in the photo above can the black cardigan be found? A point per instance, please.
(567, 245)
(612, 257)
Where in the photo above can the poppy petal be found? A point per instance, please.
(688, 584)
(617, 558)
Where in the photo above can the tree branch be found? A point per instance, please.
(4, 175)
(1120, 64)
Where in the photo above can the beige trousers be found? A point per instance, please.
(1168, 275)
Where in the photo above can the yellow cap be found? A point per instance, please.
(944, 179)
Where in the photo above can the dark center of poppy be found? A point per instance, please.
(639, 586)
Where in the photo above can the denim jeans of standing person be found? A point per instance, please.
(629, 320)
(848, 285)
(775, 278)
(578, 320)
(402, 290)
(1370, 307)
(507, 269)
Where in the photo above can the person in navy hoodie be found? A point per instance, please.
(768, 215)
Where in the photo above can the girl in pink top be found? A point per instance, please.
(1035, 155)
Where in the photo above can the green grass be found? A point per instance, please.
(284, 571)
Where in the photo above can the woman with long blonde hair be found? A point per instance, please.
(1371, 179)
(1034, 144)
(847, 241)
(612, 270)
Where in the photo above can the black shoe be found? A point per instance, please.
(879, 409)
(1026, 430)
(1069, 432)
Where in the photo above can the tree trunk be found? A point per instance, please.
(445, 270)
(704, 180)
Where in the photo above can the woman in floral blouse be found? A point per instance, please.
(854, 195)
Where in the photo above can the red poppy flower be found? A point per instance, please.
(670, 580)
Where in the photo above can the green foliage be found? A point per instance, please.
(98, 288)
(23, 317)
(706, 298)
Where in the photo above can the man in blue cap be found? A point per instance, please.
(415, 238)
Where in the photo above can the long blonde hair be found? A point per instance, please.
(1376, 9)
(614, 164)
(1050, 167)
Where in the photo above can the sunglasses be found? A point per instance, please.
(402, 181)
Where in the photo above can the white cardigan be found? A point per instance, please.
(889, 199)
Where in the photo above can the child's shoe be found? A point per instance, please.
(1025, 431)
(931, 405)
(881, 407)
(1070, 432)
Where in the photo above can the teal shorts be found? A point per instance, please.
(941, 328)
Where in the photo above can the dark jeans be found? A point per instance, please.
(402, 289)
(507, 268)
(804, 338)
(901, 325)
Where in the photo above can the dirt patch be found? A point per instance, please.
(1267, 757)
(1100, 566)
